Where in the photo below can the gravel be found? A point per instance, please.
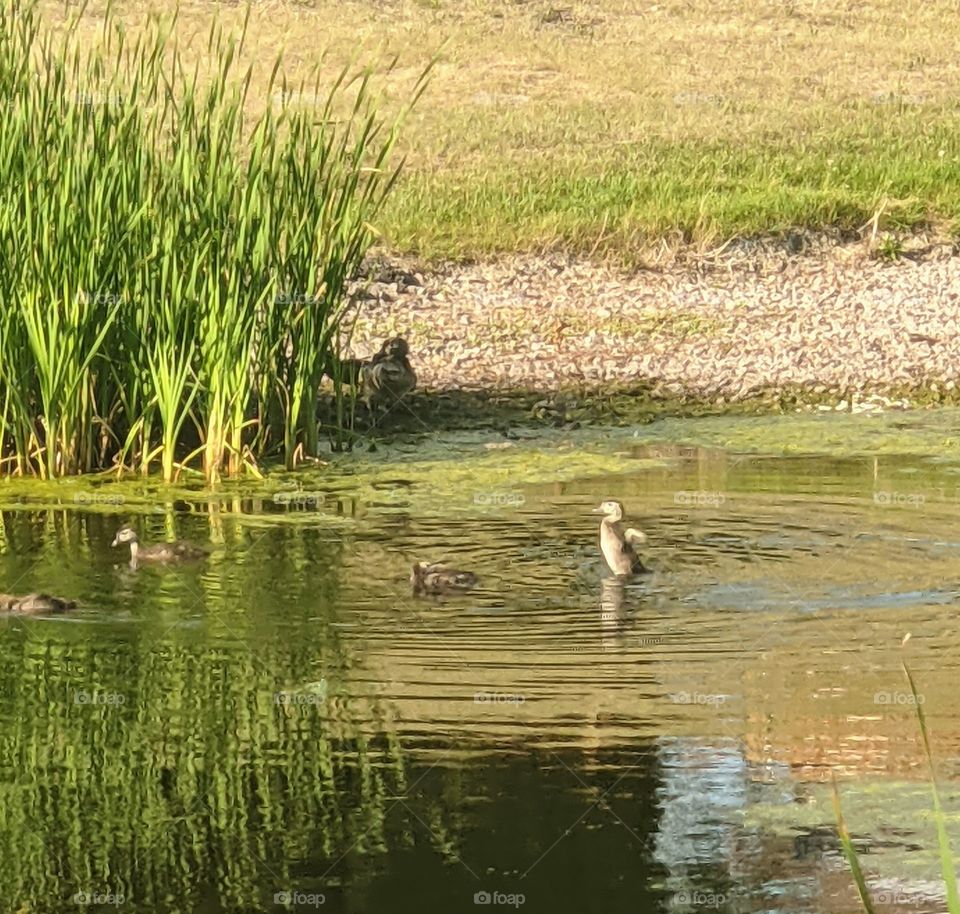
(752, 319)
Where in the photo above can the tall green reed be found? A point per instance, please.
(173, 278)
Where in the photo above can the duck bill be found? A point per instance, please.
(115, 542)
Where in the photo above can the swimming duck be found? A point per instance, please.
(436, 578)
(617, 542)
(159, 552)
(389, 376)
(34, 604)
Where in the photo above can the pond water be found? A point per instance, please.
(283, 725)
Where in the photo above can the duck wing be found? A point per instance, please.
(451, 579)
(388, 376)
(632, 537)
(169, 552)
(626, 537)
(42, 602)
(442, 579)
(184, 550)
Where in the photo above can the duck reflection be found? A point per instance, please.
(616, 615)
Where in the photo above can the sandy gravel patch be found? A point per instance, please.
(744, 322)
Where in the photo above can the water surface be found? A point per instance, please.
(283, 725)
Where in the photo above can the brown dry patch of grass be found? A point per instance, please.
(601, 126)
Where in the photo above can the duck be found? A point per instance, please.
(389, 376)
(347, 371)
(34, 604)
(159, 552)
(435, 578)
(617, 542)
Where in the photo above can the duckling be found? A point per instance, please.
(435, 579)
(616, 542)
(389, 376)
(34, 604)
(159, 552)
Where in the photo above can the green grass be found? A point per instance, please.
(621, 126)
(621, 201)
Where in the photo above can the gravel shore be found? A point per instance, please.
(831, 319)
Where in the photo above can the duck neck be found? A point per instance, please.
(134, 548)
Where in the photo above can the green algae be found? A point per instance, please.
(480, 469)
(928, 433)
(895, 814)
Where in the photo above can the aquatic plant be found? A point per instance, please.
(172, 277)
(947, 867)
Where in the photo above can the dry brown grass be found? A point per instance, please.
(573, 90)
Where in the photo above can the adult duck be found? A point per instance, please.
(389, 376)
(617, 541)
(177, 551)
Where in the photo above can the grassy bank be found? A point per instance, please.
(611, 126)
(623, 202)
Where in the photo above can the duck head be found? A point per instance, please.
(125, 534)
(396, 348)
(611, 509)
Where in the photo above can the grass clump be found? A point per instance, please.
(173, 272)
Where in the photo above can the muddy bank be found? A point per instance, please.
(758, 323)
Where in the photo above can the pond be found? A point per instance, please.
(282, 725)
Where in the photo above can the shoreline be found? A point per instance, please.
(756, 323)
